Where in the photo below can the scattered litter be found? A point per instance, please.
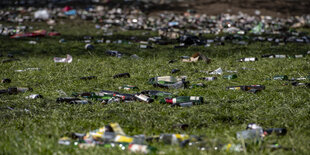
(63, 60)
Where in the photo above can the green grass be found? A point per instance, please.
(224, 113)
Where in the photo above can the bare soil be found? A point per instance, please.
(277, 8)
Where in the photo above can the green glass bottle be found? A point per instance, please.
(157, 94)
(183, 99)
(280, 77)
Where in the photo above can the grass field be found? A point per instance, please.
(38, 129)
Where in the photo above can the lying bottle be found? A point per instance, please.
(176, 85)
(142, 97)
(80, 102)
(208, 78)
(277, 131)
(163, 80)
(173, 71)
(247, 59)
(280, 77)
(183, 99)
(251, 134)
(66, 99)
(301, 78)
(28, 69)
(125, 75)
(15, 90)
(246, 88)
(6, 80)
(34, 96)
(229, 77)
(173, 139)
(88, 77)
(301, 84)
(296, 56)
(125, 97)
(96, 95)
(3, 91)
(128, 87)
(157, 94)
(114, 53)
(198, 85)
(9, 60)
(145, 46)
(268, 56)
(280, 56)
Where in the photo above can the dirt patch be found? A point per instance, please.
(277, 8)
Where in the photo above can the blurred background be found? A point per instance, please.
(212, 7)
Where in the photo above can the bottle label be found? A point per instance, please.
(127, 88)
(249, 59)
(194, 98)
(142, 97)
(235, 88)
(174, 100)
(166, 79)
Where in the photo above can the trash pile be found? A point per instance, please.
(112, 136)
(187, 29)
(181, 31)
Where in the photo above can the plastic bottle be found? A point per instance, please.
(251, 134)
